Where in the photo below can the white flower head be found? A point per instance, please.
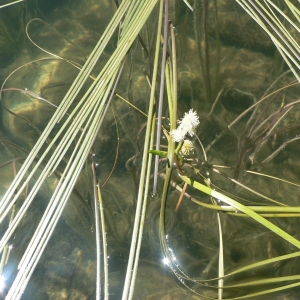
(187, 124)
(178, 135)
(189, 120)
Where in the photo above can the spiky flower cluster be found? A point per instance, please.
(186, 126)
(187, 148)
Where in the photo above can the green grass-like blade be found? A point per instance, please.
(244, 209)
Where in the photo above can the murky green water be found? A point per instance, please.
(237, 67)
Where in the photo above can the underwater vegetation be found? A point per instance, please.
(149, 149)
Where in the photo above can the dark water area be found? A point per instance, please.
(226, 65)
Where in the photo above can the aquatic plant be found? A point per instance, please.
(190, 158)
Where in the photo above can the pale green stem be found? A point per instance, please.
(132, 255)
(244, 209)
(143, 215)
(11, 3)
(104, 244)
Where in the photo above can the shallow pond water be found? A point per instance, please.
(232, 60)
